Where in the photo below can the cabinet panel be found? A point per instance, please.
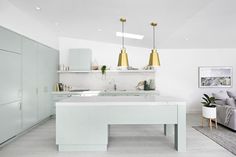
(29, 65)
(10, 120)
(42, 82)
(54, 78)
(10, 41)
(10, 69)
(47, 77)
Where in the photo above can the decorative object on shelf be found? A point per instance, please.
(123, 57)
(215, 76)
(140, 85)
(152, 84)
(62, 67)
(146, 85)
(67, 68)
(59, 87)
(95, 65)
(154, 60)
(103, 69)
(209, 109)
(131, 68)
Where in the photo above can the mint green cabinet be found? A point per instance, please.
(28, 72)
(10, 120)
(40, 67)
(10, 41)
(47, 77)
(10, 83)
(29, 82)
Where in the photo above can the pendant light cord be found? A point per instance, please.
(123, 38)
(154, 37)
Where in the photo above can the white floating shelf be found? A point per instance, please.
(108, 71)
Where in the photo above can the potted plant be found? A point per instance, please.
(209, 107)
(103, 69)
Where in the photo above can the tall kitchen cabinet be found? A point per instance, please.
(28, 73)
(10, 84)
(39, 76)
(47, 77)
(29, 82)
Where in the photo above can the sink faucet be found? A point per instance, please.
(115, 87)
(112, 85)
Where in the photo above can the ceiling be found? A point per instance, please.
(181, 23)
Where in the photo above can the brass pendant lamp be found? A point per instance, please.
(154, 60)
(123, 57)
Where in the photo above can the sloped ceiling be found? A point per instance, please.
(181, 23)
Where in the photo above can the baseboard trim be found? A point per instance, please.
(85, 147)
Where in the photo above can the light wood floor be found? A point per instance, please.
(124, 141)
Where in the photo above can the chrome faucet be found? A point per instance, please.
(114, 87)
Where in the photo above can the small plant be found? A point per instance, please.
(208, 101)
(104, 68)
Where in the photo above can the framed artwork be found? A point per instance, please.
(219, 77)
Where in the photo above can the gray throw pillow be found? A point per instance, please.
(220, 102)
(231, 102)
(222, 95)
(231, 94)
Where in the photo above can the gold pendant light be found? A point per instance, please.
(154, 60)
(123, 57)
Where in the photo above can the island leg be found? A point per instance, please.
(180, 129)
(168, 129)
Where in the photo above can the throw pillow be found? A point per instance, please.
(231, 94)
(222, 95)
(230, 102)
(220, 102)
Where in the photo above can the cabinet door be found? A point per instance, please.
(10, 41)
(45, 79)
(10, 120)
(29, 97)
(10, 84)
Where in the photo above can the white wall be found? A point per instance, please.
(22, 23)
(177, 76)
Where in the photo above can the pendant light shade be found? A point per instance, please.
(123, 56)
(154, 60)
(123, 59)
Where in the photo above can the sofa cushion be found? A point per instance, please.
(230, 102)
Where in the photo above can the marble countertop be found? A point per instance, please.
(106, 91)
(111, 100)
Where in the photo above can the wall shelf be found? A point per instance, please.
(110, 71)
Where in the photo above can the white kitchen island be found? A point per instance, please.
(82, 122)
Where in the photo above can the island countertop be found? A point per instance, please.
(110, 100)
(106, 92)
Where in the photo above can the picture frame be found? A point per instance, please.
(215, 76)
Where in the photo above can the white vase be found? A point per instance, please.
(209, 112)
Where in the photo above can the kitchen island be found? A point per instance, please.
(82, 123)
